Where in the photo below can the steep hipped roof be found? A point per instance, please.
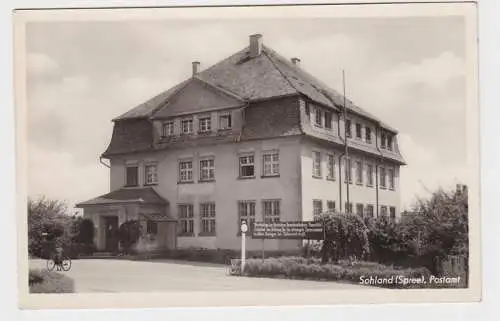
(145, 195)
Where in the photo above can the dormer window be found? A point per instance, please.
(389, 142)
(225, 121)
(368, 135)
(358, 131)
(382, 141)
(328, 120)
(348, 128)
(318, 117)
(205, 124)
(168, 128)
(187, 126)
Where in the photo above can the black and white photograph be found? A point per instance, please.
(248, 153)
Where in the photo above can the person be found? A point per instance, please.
(58, 258)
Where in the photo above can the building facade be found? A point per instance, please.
(253, 137)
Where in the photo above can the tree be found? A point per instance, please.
(128, 234)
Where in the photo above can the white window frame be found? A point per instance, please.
(330, 160)
(270, 163)
(359, 172)
(392, 178)
(331, 209)
(246, 211)
(186, 219)
(318, 112)
(224, 125)
(151, 178)
(271, 210)
(207, 169)
(369, 175)
(189, 127)
(383, 177)
(204, 124)
(168, 128)
(247, 160)
(316, 162)
(186, 175)
(317, 208)
(208, 219)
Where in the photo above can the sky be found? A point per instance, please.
(409, 72)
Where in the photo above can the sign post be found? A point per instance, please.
(244, 229)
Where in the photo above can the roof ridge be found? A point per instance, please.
(279, 70)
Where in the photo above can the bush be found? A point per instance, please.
(312, 269)
(128, 234)
(41, 281)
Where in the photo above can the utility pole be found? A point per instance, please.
(346, 152)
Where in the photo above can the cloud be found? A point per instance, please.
(41, 66)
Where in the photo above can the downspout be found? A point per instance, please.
(340, 170)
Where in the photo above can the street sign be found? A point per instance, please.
(288, 230)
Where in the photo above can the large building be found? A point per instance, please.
(252, 137)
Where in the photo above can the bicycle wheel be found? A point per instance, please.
(66, 264)
(51, 264)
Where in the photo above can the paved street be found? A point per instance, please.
(97, 275)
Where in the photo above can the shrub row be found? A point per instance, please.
(42, 281)
(312, 269)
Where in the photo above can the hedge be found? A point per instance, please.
(43, 281)
(312, 269)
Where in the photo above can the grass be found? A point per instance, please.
(42, 281)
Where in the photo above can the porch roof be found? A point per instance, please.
(157, 217)
(146, 196)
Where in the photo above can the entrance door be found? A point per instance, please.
(111, 226)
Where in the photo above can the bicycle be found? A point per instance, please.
(62, 263)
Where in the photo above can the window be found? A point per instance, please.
(368, 135)
(392, 214)
(185, 171)
(348, 207)
(382, 177)
(207, 215)
(150, 174)
(318, 117)
(207, 169)
(390, 173)
(359, 209)
(328, 120)
(383, 211)
(271, 211)
(382, 141)
(317, 208)
(271, 164)
(151, 227)
(168, 128)
(369, 174)
(389, 142)
(358, 131)
(187, 126)
(132, 173)
(330, 206)
(369, 211)
(331, 167)
(316, 164)
(225, 121)
(186, 219)
(359, 173)
(348, 128)
(247, 166)
(348, 170)
(205, 124)
(246, 212)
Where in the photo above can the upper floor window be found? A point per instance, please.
(359, 209)
(150, 174)
(382, 177)
(331, 167)
(348, 207)
(205, 124)
(225, 121)
(390, 173)
(358, 131)
(132, 175)
(246, 212)
(359, 173)
(383, 211)
(369, 210)
(328, 120)
(207, 169)
(207, 216)
(317, 208)
(186, 219)
(185, 171)
(348, 133)
(330, 205)
(168, 128)
(316, 164)
(318, 117)
(187, 126)
(389, 142)
(271, 163)
(382, 140)
(369, 174)
(368, 135)
(348, 170)
(271, 211)
(247, 166)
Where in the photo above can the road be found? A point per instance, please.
(108, 275)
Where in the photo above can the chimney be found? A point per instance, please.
(255, 45)
(196, 67)
(296, 61)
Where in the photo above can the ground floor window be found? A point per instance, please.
(330, 206)
(186, 219)
(151, 227)
(383, 211)
(317, 208)
(271, 211)
(392, 214)
(246, 212)
(359, 209)
(369, 210)
(207, 215)
(348, 207)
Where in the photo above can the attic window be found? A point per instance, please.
(225, 121)
(205, 124)
(318, 117)
(187, 126)
(328, 120)
(348, 128)
(389, 142)
(168, 128)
